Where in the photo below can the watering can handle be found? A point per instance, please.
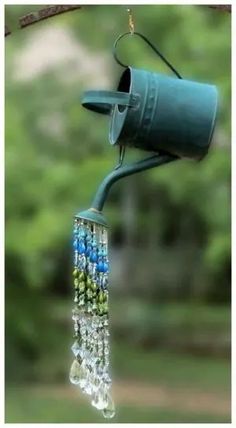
(103, 101)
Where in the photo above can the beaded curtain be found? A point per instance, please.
(90, 368)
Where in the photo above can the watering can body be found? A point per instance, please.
(158, 113)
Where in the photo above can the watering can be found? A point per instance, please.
(170, 116)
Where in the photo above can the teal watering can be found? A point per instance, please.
(156, 113)
(170, 116)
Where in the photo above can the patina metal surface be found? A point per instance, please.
(156, 112)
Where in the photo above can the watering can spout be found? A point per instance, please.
(125, 171)
(94, 214)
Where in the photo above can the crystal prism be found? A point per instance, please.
(75, 372)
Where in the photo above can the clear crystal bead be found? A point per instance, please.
(100, 353)
(100, 323)
(84, 376)
(88, 387)
(105, 321)
(75, 311)
(95, 322)
(109, 410)
(75, 372)
(76, 328)
(96, 383)
(106, 379)
(83, 331)
(100, 399)
(95, 335)
(75, 317)
(94, 306)
(76, 348)
(106, 361)
(89, 308)
(82, 263)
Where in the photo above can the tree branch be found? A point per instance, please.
(224, 8)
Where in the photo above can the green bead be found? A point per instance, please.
(82, 286)
(82, 276)
(94, 306)
(93, 286)
(76, 282)
(105, 297)
(105, 308)
(75, 273)
(89, 282)
(100, 306)
(100, 297)
(100, 309)
(89, 294)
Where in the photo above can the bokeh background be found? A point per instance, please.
(169, 227)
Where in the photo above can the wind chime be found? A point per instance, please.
(169, 116)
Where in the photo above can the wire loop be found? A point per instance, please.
(171, 67)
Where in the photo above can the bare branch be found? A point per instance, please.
(50, 11)
(224, 8)
(44, 13)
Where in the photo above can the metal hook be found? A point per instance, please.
(131, 21)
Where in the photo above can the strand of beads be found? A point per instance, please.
(90, 368)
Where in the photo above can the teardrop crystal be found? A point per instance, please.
(83, 376)
(109, 411)
(75, 372)
(88, 388)
(100, 399)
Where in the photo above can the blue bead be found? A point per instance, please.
(100, 267)
(88, 250)
(94, 243)
(93, 256)
(75, 244)
(105, 267)
(100, 253)
(104, 253)
(81, 248)
(82, 233)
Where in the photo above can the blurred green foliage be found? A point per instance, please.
(170, 227)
